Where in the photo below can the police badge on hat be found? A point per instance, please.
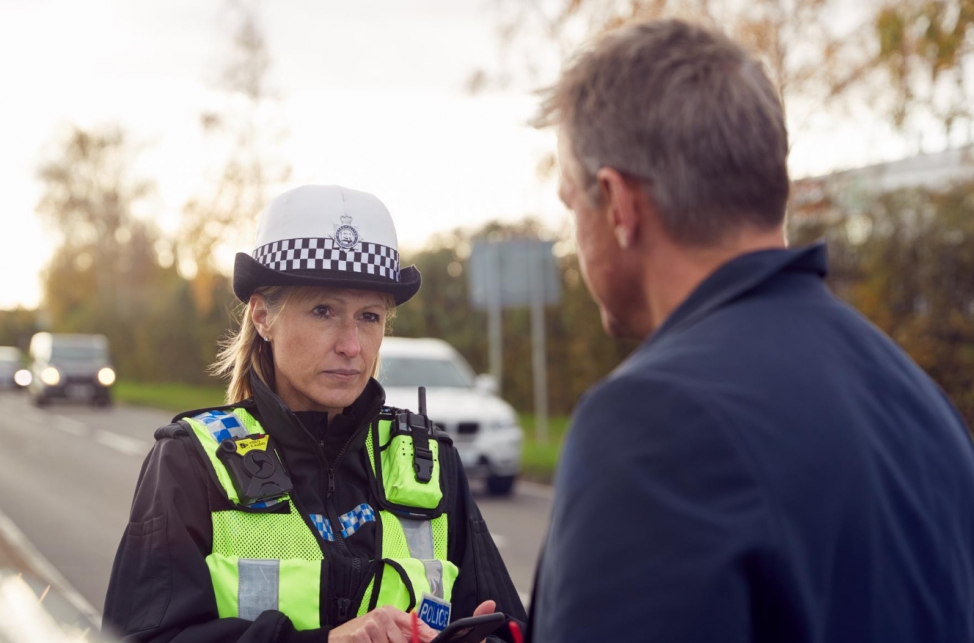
(346, 235)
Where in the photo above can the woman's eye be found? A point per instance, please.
(371, 317)
(321, 311)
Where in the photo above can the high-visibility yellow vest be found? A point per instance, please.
(270, 560)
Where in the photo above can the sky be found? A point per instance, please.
(372, 96)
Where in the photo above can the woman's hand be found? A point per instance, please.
(389, 625)
(487, 607)
(383, 625)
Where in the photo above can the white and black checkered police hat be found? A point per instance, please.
(329, 236)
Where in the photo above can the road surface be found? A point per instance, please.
(67, 475)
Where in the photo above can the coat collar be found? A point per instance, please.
(736, 278)
(278, 420)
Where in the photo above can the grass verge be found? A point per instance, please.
(538, 460)
(170, 396)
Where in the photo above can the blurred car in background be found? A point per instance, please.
(72, 367)
(13, 375)
(484, 427)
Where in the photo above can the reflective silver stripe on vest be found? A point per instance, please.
(434, 574)
(419, 539)
(257, 586)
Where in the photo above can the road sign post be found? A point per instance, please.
(538, 363)
(495, 344)
(514, 274)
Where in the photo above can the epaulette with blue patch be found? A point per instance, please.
(222, 425)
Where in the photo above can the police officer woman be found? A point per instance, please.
(305, 509)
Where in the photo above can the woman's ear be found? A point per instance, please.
(258, 315)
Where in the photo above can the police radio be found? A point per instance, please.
(420, 429)
(255, 469)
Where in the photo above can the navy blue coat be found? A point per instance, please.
(768, 466)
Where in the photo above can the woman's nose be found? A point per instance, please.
(348, 343)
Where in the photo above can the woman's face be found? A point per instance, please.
(324, 347)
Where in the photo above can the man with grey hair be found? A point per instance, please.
(766, 466)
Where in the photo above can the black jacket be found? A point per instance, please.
(160, 588)
(779, 470)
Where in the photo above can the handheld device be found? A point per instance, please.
(471, 630)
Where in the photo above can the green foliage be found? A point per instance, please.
(17, 326)
(925, 48)
(538, 461)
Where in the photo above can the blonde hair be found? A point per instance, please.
(245, 350)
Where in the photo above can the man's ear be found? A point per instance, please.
(622, 198)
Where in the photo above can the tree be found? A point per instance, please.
(909, 60)
(926, 46)
(227, 215)
(89, 194)
(17, 326)
(806, 52)
(106, 277)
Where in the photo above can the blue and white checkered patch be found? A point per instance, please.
(351, 521)
(356, 518)
(324, 527)
(222, 425)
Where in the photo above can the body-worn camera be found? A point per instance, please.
(255, 468)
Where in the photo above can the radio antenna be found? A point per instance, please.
(422, 400)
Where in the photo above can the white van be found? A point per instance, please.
(484, 427)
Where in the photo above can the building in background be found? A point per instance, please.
(821, 201)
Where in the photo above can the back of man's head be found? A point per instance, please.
(688, 112)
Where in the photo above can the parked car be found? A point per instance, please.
(12, 373)
(484, 427)
(73, 367)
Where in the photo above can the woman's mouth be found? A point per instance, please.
(343, 374)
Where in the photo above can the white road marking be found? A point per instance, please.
(42, 567)
(121, 443)
(20, 424)
(32, 415)
(534, 490)
(71, 426)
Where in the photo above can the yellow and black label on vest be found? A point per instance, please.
(246, 445)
